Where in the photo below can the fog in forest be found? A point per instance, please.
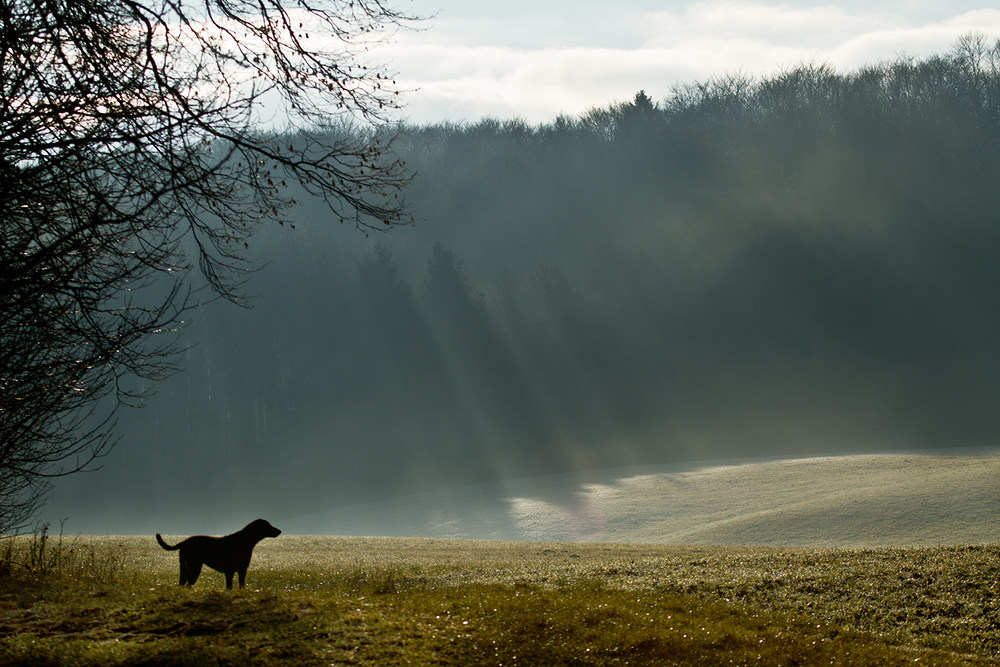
(802, 264)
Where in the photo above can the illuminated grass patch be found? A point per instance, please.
(342, 601)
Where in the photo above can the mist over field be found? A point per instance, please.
(925, 498)
(806, 264)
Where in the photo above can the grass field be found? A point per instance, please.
(398, 601)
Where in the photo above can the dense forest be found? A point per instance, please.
(807, 262)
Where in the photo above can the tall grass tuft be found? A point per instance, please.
(43, 558)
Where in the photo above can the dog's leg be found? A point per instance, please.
(243, 575)
(193, 570)
(229, 581)
(185, 571)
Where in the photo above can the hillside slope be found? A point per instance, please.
(893, 499)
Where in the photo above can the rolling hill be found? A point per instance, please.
(864, 500)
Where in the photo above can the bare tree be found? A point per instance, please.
(133, 169)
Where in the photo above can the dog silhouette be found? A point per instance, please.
(229, 554)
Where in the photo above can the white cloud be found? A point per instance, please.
(471, 82)
(458, 80)
(735, 20)
(916, 40)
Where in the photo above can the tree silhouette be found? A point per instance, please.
(130, 153)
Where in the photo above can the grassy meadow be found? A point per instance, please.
(401, 601)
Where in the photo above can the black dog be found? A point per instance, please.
(229, 555)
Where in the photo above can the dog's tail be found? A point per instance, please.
(165, 545)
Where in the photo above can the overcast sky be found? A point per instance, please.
(535, 59)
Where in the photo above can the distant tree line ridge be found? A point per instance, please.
(750, 267)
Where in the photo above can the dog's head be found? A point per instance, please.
(262, 528)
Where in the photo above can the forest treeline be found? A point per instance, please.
(805, 262)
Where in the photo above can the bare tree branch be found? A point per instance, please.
(131, 153)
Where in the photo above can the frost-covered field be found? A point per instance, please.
(369, 590)
(939, 597)
(894, 499)
(593, 587)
